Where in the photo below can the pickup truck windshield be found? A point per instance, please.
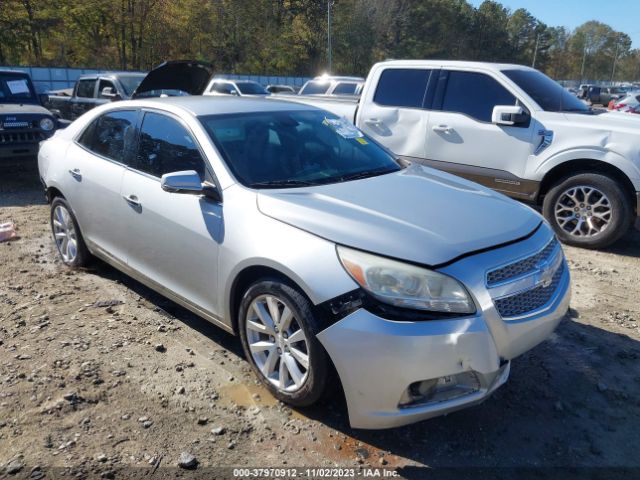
(295, 148)
(315, 88)
(16, 88)
(130, 83)
(545, 92)
(251, 88)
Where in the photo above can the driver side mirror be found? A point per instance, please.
(44, 98)
(188, 182)
(509, 115)
(107, 92)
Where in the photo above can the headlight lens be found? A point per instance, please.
(405, 285)
(47, 124)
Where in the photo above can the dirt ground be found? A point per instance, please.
(85, 391)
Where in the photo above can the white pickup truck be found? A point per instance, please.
(511, 128)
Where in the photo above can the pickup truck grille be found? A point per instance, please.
(530, 300)
(521, 267)
(7, 138)
(16, 124)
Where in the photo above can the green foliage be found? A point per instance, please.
(289, 37)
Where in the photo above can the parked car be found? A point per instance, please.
(286, 225)
(93, 90)
(630, 100)
(24, 122)
(524, 136)
(283, 89)
(583, 90)
(604, 95)
(240, 88)
(332, 85)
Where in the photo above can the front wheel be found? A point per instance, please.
(588, 210)
(278, 332)
(67, 236)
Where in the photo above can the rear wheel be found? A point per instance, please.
(67, 236)
(588, 210)
(278, 333)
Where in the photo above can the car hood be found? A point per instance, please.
(608, 121)
(13, 109)
(185, 75)
(418, 214)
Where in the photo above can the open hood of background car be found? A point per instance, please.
(178, 77)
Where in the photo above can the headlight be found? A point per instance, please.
(47, 124)
(405, 285)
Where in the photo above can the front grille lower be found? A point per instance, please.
(529, 300)
(9, 138)
(521, 267)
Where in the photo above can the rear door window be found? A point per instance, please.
(345, 88)
(474, 94)
(165, 146)
(111, 135)
(402, 87)
(86, 88)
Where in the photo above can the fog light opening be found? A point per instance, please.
(440, 389)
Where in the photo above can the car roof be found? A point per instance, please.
(456, 63)
(331, 78)
(6, 70)
(199, 105)
(111, 75)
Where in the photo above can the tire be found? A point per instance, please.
(268, 362)
(74, 253)
(577, 206)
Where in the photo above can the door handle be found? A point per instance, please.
(442, 129)
(75, 173)
(373, 121)
(132, 200)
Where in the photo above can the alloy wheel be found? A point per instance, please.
(583, 211)
(278, 344)
(64, 233)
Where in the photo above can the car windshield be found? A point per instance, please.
(546, 93)
(295, 148)
(16, 88)
(130, 83)
(251, 88)
(315, 88)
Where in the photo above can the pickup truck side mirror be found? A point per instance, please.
(188, 181)
(508, 115)
(107, 92)
(44, 98)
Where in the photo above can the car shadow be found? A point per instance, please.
(20, 183)
(629, 244)
(569, 402)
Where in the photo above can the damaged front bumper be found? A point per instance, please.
(397, 372)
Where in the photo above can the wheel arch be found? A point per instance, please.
(246, 277)
(585, 165)
(53, 192)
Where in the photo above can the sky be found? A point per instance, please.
(621, 15)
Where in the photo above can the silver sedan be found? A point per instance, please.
(287, 226)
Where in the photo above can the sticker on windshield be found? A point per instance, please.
(343, 127)
(18, 86)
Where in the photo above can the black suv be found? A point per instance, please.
(24, 122)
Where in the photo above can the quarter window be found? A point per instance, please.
(475, 95)
(86, 88)
(402, 87)
(111, 135)
(166, 146)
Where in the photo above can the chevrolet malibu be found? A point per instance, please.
(287, 226)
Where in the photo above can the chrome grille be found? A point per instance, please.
(530, 300)
(16, 124)
(521, 267)
(20, 137)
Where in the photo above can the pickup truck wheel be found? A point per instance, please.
(278, 333)
(588, 210)
(66, 234)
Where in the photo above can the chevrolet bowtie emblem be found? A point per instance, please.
(544, 277)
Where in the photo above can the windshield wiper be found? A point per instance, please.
(366, 174)
(282, 184)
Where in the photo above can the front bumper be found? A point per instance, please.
(377, 359)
